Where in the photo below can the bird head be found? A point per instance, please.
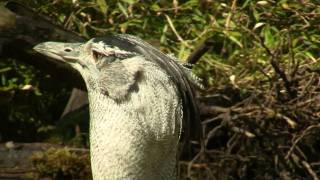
(100, 63)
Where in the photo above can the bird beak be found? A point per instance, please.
(50, 49)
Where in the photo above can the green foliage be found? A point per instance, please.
(29, 101)
(61, 164)
(237, 27)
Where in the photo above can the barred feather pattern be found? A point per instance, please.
(137, 137)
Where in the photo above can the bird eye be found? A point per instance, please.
(67, 49)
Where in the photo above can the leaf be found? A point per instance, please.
(268, 39)
(155, 7)
(129, 1)
(5, 69)
(262, 3)
(309, 55)
(258, 25)
(122, 9)
(163, 38)
(235, 40)
(233, 37)
(245, 4)
(103, 6)
(145, 23)
(256, 15)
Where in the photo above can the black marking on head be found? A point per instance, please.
(117, 82)
(137, 77)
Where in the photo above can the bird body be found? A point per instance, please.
(137, 138)
(138, 98)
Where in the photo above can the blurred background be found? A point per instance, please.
(258, 61)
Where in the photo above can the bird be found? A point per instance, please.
(141, 103)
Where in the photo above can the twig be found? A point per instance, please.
(282, 74)
(294, 64)
(200, 51)
(175, 6)
(228, 20)
(299, 138)
(242, 131)
(190, 164)
(175, 32)
(310, 170)
(287, 83)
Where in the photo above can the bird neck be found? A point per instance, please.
(136, 138)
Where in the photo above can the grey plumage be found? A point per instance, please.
(138, 98)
